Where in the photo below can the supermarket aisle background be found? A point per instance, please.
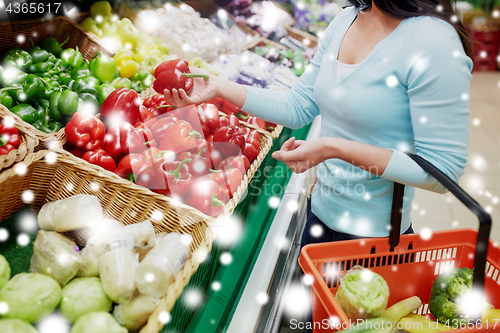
(482, 174)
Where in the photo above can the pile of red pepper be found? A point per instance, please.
(9, 138)
(189, 153)
(231, 109)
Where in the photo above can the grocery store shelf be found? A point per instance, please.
(260, 307)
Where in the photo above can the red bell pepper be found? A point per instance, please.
(176, 177)
(229, 140)
(78, 152)
(179, 137)
(252, 137)
(199, 165)
(121, 105)
(148, 124)
(257, 122)
(217, 101)
(117, 139)
(237, 162)
(250, 152)
(212, 117)
(9, 139)
(157, 105)
(101, 158)
(229, 120)
(270, 126)
(229, 108)
(145, 114)
(141, 139)
(196, 117)
(203, 196)
(175, 74)
(85, 131)
(136, 168)
(229, 179)
(210, 152)
(161, 127)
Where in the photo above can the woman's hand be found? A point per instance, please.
(203, 91)
(302, 155)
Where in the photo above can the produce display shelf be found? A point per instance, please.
(219, 306)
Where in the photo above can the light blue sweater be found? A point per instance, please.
(410, 94)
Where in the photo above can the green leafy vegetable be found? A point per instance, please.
(82, 296)
(362, 294)
(97, 322)
(30, 296)
(16, 325)
(4, 271)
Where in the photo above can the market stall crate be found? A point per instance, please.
(416, 261)
(486, 48)
(50, 176)
(304, 37)
(37, 30)
(28, 140)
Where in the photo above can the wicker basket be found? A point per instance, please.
(28, 140)
(40, 29)
(51, 176)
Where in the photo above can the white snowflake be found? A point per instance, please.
(297, 301)
(193, 298)
(262, 298)
(316, 230)
(226, 258)
(27, 196)
(21, 38)
(426, 233)
(216, 286)
(274, 202)
(54, 323)
(164, 317)
(4, 234)
(23, 239)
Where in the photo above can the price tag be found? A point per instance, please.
(123, 241)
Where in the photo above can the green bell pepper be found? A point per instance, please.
(72, 58)
(13, 76)
(103, 68)
(21, 60)
(26, 112)
(135, 87)
(41, 67)
(85, 85)
(18, 95)
(64, 78)
(63, 104)
(45, 124)
(37, 54)
(103, 92)
(52, 58)
(80, 71)
(49, 91)
(34, 87)
(140, 75)
(1, 75)
(13, 50)
(121, 82)
(51, 45)
(89, 98)
(5, 99)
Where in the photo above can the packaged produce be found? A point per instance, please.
(30, 296)
(362, 294)
(16, 326)
(448, 294)
(76, 212)
(134, 313)
(187, 34)
(4, 271)
(55, 255)
(82, 296)
(9, 139)
(97, 322)
(116, 269)
(160, 266)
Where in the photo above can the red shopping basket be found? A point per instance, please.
(408, 263)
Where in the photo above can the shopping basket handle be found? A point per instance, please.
(483, 235)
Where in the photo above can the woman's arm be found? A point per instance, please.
(293, 109)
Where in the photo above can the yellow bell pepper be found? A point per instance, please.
(127, 68)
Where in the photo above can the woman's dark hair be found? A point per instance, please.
(442, 9)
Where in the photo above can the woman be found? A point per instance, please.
(387, 78)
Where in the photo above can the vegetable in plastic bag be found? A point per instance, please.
(16, 326)
(54, 255)
(116, 269)
(82, 296)
(134, 314)
(4, 271)
(30, 296)
(160, 266)
(362, 294)
(76, 212)
(97, 322)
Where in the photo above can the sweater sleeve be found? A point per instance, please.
(294, 108)
(438, 75)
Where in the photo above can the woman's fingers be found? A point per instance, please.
(288, 144)
(168, 97)
(185, 97)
